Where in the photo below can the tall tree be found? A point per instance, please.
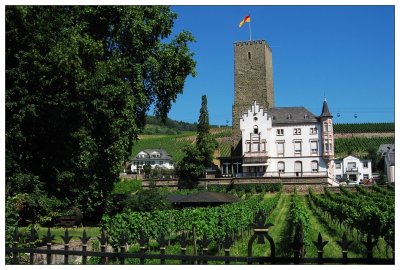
(198, 158)
(205, 143)
(79, 80)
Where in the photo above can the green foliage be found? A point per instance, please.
(11, 220)
(127, 186)
(205, 142)
(215, 222)
(366, 213)
(197, 159)
(79, 82)
(147, 169)
(298, 217)
(363, 128)
(149, 200)
(359, 146)
(191, 167)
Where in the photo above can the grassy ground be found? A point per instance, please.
(59, 232)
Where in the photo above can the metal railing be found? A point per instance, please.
(260, 232)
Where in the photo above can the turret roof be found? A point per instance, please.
(325, 110)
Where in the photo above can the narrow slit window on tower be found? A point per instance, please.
(249, 55)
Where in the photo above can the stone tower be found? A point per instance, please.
(253, 82)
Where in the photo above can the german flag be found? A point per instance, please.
(246, 19)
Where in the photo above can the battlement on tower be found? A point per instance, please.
(252, 42)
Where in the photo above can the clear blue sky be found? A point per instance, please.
(344, 52)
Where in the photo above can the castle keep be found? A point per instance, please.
(253, 82)
(274, 142)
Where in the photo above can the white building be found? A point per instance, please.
(353, 169)
(153, 157)
(286, 142)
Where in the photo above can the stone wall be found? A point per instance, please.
(253, 82)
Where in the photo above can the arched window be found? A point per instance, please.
(298, 168)
(281, 167)
(255, 129)
(314, 166)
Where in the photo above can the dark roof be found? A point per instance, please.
(291, 115)
(325, 110)
(163, 154)
(204, 197)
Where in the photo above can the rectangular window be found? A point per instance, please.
(297, 148)
(280, 148)
(297, 131)
(365, 165)
(326, 146)
(326, 127)
(314, 147)
(313, 131)
(279, 132)
(351, 166)
(314, 166)
(256, 147)
(338, 165)
(161, 162)
(365, 176)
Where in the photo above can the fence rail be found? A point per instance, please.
(260, 233)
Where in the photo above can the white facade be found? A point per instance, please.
(153, 157)
(281, 150)
(353, 169)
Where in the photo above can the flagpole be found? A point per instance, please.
(250, 26)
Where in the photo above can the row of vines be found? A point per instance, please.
(360, 144)
(363, 128)
(215, 222)
(368, 212)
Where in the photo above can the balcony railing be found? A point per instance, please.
(351, 169)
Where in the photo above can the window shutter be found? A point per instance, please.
(281, 166)
(297, 166)
(314, 165)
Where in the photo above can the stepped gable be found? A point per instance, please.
(291, 115)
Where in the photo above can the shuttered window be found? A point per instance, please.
(281, 167)
(314, 166)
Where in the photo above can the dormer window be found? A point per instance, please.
(289, 116)
(306, 116)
